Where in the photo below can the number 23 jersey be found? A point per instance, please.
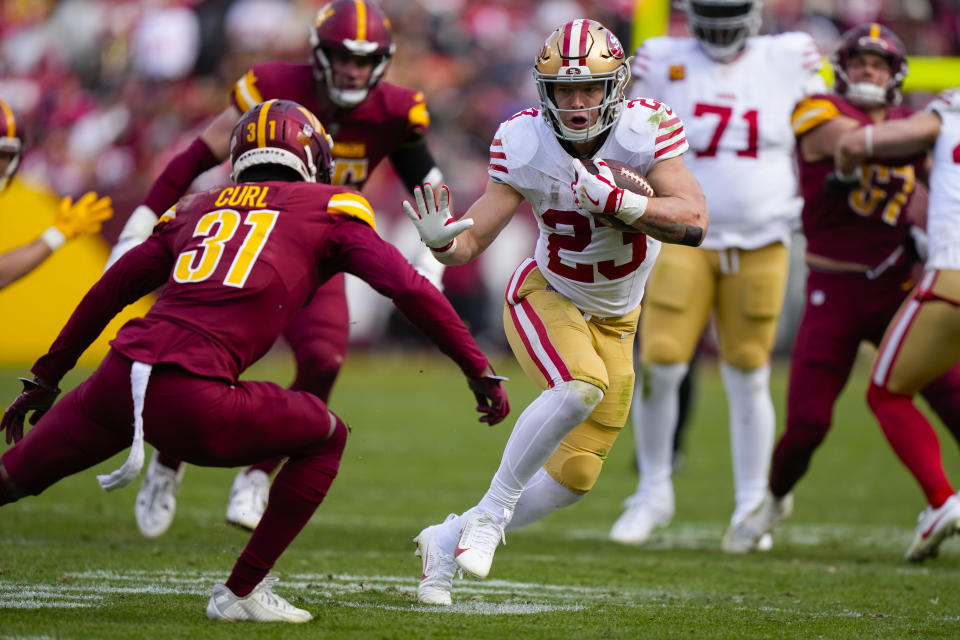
(600, 270)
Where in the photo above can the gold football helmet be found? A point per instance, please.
(582, 51)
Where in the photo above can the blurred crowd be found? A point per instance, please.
(110, 89)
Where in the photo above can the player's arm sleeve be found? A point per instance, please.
(364, 254)
(139, 272)
(415, 165)
(179, 173)
(811, 64)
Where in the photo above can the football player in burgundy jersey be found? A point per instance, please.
(73, 219)
(369, 121)
(860, 258)
(238, 262)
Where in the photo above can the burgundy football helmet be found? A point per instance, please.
(870, 38)
(356, 27)
(11, 142)
(281, 132)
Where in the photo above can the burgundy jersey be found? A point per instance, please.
(238, 262)
(866, 224)
(389, 118)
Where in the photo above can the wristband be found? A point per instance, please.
(54, 238)
(852, 176)
(445, 250)
(868, 140)
(632, 207)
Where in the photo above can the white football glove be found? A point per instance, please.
(433, 221)
(599, 194)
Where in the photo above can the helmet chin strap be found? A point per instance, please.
(867, 94)
(346, 97)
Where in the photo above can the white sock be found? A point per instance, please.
(752, 427)
(448, 534)
(539, 430)
(654, 416)
(542, 496)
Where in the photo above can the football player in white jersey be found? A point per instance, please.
(922, 342)
(571, 311)
(735, 92)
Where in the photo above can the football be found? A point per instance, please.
(625, 177)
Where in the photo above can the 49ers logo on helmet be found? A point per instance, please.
(614, 44)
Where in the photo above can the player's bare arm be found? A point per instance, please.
(18, 262)
(890, 139)
(821, 141)
(679, 212)
(460, 241)
(676, 214)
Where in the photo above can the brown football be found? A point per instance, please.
(625, 177)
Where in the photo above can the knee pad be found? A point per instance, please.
(577, 462)
(747, 356)
(578, 472)
(662, 349)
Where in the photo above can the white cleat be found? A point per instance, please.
(248, 499)
(752, 533)
(642, 515)
(260, 605)
(933, 527)
(481, 534)
(157, 498)
(436, 579)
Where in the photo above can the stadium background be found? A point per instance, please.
(109, 90)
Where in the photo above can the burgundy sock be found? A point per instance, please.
(267, 466)
(168, 461)
(913, 440)
(296, 493)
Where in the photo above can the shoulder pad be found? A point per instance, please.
(514, 144)
(797, 50)
(352, 205)
(651, 123)
(811, 112)
(949, 100)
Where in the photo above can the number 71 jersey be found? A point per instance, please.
(737, 118)
(600, 270)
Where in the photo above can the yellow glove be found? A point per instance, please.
(84, 216)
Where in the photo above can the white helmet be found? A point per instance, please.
(582, 51)
(722, 26)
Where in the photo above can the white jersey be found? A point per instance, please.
(600, 270)
(943, 209)
(737, 118)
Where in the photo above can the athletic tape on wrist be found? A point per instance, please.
(54, 238)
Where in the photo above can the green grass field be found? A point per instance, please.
(72, 564)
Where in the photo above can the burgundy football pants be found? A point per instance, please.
(841, 310)
(318, 335)
(203, 421)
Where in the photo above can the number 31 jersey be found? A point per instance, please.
(737, 118)
(600, 270)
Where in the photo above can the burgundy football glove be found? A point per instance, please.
(491, 397)
(37, 396)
